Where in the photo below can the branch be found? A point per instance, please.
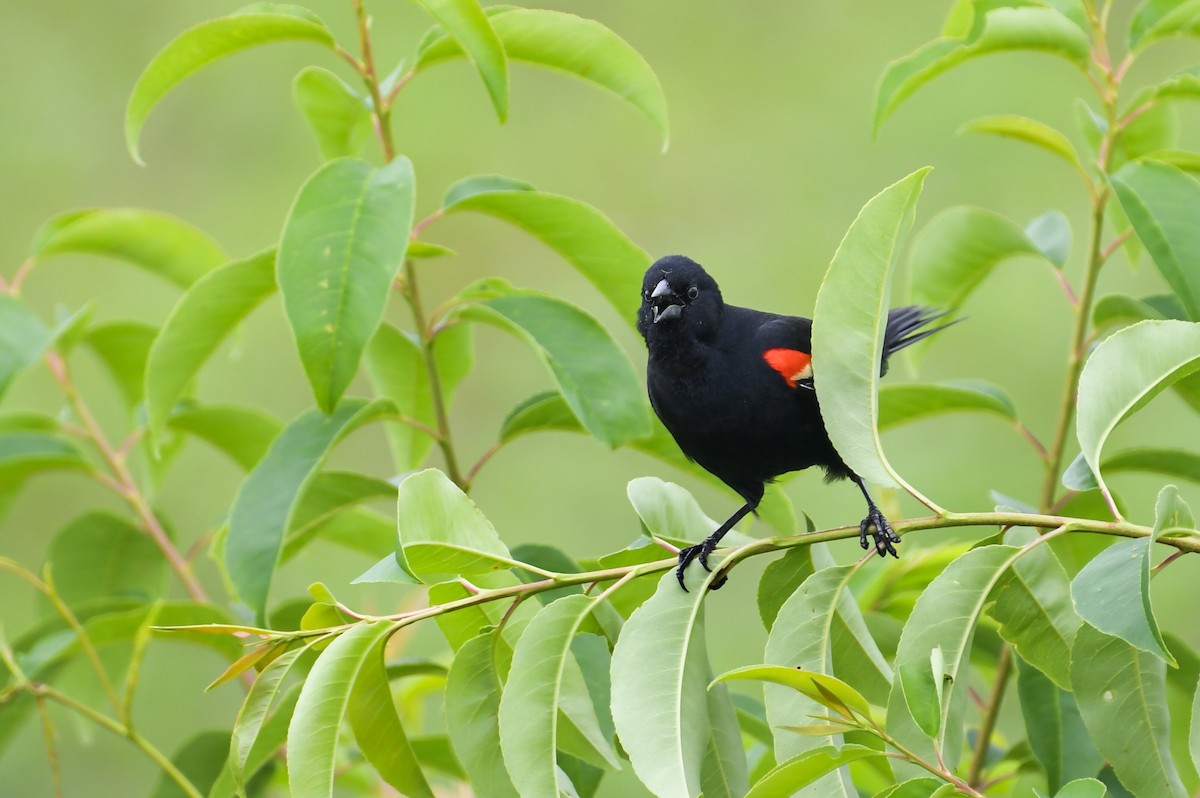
(990, 715)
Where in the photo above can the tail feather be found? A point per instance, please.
(907, 325)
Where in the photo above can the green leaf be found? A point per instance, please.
(379, 732)
(1168, 462)
(901, 404)
(671, 513)
(267, 498)
(1055, 730)
(1156, 197)
(249, 726)
(945, 616)
(1122, 698)
(244, 434)
(1032, 604)
(1118, 310)
(442, 534)
(472, 712)
(919, 686)
(342, 244)
(1028, 130)
(332, 493)
(1112, 592)
(954, 253)
(423, 249)
(1150, 356)
(1182, 160)
(803, 638)
(211, 41)
(472, 30)
(260, 763)
(799, 772)
(157, 242)
(566, 43)
(1051, 234)
(24, 453)
(205, 314)
(723, 769)
(1194, 736)
(594, 374)
(826, 690)
(200, 760)
(102, 555)
(922, 787)
(1004, 29)
(660, 704)
(848, 327)
(23, 339)
(396, 367)
(1083, 788)
(582, 235)
(123, 346)
(313, 734)
(1155, 20)
(529, 707)
(337, 117)
(780, 579)
(547, 410)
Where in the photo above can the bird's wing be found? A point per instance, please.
(785, 344)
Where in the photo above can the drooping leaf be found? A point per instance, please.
(396, 367)
(338, 118)
(1178, 463)
(1150, 356)
(200, 760)
(671, 513)
(547, 410)
(1121, 695)
(582, 235)
(1118, 310)
(1155, 20)
(260, 762)
(25, 453)
(331, 493)
(473, 32)
(1004, 29)
(203, 317)
(1083, 788)
(954, 253)
(442, 534)
(1156, 198)
(242, 433)
(723, 769)
(267, 498)
(1054, 728)
(342, 244)
(23, 339)
(848, 327)
(378, 731)
(161, 244)
(779, 581)
(101, 555)
(1051, 234)
(473, 695)
(316, 724)
(529, 707)
(1028, 130)
(593, 373)
(945, 617)
(210, 41)
(794, 775)
(660, 662)
(900, 404)
(123, 347)
(566, 43)
(1112, 592)
(249, 725)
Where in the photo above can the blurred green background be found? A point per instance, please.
(771, 157)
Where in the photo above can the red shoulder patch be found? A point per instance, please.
(792, 364)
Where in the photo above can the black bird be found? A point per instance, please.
(734, 387)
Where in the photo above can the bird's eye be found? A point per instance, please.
(693, 292)
(646, 295)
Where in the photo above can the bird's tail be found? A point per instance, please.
(907, 325)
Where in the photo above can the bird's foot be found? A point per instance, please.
(879, 529)
(698, 552)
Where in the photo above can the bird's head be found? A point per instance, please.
(678, 299)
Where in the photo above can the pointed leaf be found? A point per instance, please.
(338, 118)
(23, 339)
(566, 43)
(25, 453)
(1156, 198)
(1120, 688)
(671, 513)
(799, 772)
(660, 704)
(1155, 20)
(210, 41)
(268, 496)
(331, 493)
(123, 347)
(342, 244)
(102, 555)
(242, 433)
(1083, 788)
(582, 235)
(472, 711)
(826, 690)
(316, 725)
(1177, 463)
(542, 411)
(1004, 29)
(1056, 732)
(1028, 130)
(472, 30)
(848, 327)
(900, 404)
(1051, 234)
(200, 321)
(200, 760)
(594, 374)
(1150, 356)
(955, 252)
(723, 769)
(529, 707)
(253, 713)
(779, 581)
(159, 243)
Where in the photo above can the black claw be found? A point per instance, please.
(700, 552)
(882, 532)
(685, 557)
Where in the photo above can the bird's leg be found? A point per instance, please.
(883, 534)
(704, 548)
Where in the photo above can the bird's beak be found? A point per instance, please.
(665, 302)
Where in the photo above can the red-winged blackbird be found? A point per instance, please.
(734, 387)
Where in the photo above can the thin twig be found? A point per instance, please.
(990, 716)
